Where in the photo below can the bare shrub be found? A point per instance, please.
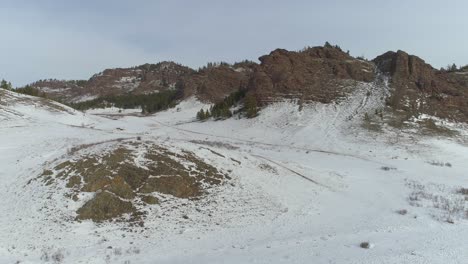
(267, 167)
(450, 205)
(133, 250)
(463, 191)
(117, 251)
(440, 163)
(402, 212)
(56, 257)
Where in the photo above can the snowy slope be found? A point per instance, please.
(308, 186)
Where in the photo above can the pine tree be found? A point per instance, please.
(251, 106)
(203, 115)
(207, 114)
(453, 67)
(5, 85)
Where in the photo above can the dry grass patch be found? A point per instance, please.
(131, 172)
(104, 206)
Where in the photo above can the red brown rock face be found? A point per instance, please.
(321, 74)
(316, 74)
(215, 83)
(209, 84)
(419, 88)
(147, 78)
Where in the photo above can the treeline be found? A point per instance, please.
(149, 103)
(209, 65)
(5, 85)
(453, 68)
(222, 110)
(29, 90)
(81, 83)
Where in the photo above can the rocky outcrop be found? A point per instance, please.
(61, 90)
(214, 83)
(418, 88)
(147, 78)
(316, 74)
(210, 84)
(144, 79)
(320, 74)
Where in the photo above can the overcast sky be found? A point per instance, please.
(70, 39)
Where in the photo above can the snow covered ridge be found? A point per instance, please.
(304, 184)
(15, 108)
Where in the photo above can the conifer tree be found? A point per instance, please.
(251, 106)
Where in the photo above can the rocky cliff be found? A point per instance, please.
(209, 84)
(214, 83)
(320, 74)
(144, 79)
(418, 88)
(314, 74)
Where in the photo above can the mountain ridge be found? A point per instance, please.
(314, 74)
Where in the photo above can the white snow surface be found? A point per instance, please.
(308, 186)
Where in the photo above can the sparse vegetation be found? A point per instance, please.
(463, 191)
(119, 184)
(430, 127)
(104, 206)
(222, 110)
(402, 212)
(29, 90)
(269, 168)
(367, 117)
(387, 168)
(450, 206)
(440, 164)
(6, 85)
(370, 124)
(149, 199)
(210, 65)
(48, 255)
(149, 103)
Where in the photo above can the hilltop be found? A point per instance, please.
(315, 74)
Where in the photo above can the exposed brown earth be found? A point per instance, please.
(119, 183)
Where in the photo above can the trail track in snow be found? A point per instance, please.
(270, 144)
(291, 170)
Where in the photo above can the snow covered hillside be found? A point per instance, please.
(302, 185)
